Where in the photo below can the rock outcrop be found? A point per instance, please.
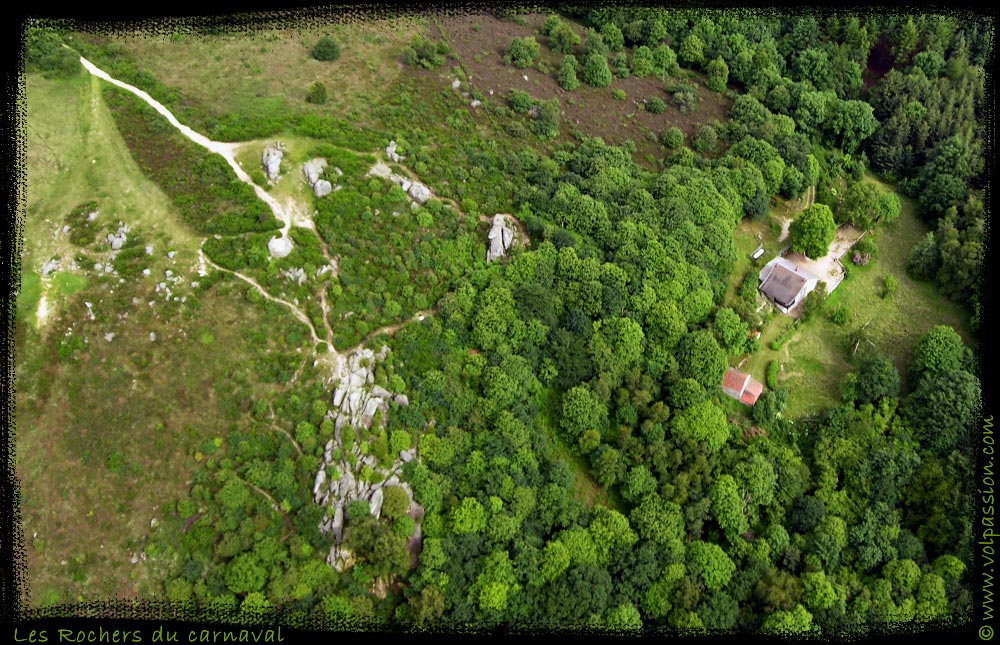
(118, 238)
(500, 238)
(313, 169)
(419, 192)
(346, 474)
(380, 170)
(322, 188)
(271, 160)
(390, 151)
(296, 275)
(279, 247)
(50, 266)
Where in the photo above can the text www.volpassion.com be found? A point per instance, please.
(986, 544)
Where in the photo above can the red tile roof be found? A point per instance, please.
(734, 381)
(741, 387)
(754, 389)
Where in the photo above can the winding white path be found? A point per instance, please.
(227, 150)
(335, 361)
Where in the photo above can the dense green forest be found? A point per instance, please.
(571, 436)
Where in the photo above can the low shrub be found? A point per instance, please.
(326, 49)
(771, 376)
(655, 105)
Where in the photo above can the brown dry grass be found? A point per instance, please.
(590, 110)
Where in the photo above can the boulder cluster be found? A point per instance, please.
(356, 403)
(312, 170)
(417, 191)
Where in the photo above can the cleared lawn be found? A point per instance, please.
(817, 358)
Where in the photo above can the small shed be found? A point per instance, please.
(741, 387)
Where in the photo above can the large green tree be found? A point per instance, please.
(813, 231)
(700, 357)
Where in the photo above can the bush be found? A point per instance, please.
(618, 94)
(81, 228)
(567, 73)
(771, 376)
(665, 61)
(866, 246)
(594, 44)
(515, 129)
(619, 65)
(685, 96)
(612, 36)
(550, 23)
(44, 51)
(546, 125)
(596, 72)
(520, 101)
(889, 286)
(562, 39)
(326, 49)
(841, 315)
(672, 138)
(655, 105)
(814, 302)
(425, 52)
(522, 52)
(317, 94)
(718, 75)
(705, 140)
(642, 61)
(784, 336)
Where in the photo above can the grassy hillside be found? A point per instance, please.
(113, 406)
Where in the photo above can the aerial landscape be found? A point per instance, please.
(569, 318)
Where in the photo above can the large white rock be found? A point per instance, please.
(380, 170)
(312, 169)
(390, 151)
(419, 192)
(320, 480)
(271, 160)
(376, 503)
(371, 406)
(322, 188)
(49, 267)
(279, 247)
(500, 238)
(354, 401)
(338, 524)
(338, 396)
